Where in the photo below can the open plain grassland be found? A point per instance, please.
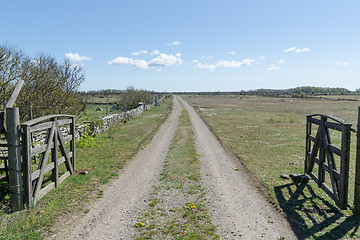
(268, 136)
(344, 96)
(102, 158)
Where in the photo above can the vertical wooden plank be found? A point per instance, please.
(357, 170)
(72, 143)
(26, 156)
(314, 151)
(54, 155)
(344, 168)
(307, 143)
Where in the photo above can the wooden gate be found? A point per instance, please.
(39, 158)
(320, 150)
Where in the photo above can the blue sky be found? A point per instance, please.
(193, 45)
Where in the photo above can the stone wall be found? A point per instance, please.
(111, 120)
(96, 127)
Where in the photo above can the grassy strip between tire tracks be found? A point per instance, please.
(177, 207)
(102, 159)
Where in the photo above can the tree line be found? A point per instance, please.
(50, 86)
(296, 92)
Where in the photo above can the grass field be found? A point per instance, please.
(268, 136)
(101, 158)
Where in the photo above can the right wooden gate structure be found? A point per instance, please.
(320, 150)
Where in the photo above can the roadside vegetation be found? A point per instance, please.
(177, 206)
(268, 136)
(98, 161)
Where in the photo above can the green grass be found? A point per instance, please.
(188, 216)
(90, 113)
(102, 161)
(268, 136)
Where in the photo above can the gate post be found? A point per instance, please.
(14, 155)
(357, 170)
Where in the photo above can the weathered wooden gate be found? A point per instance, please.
(320, 150)
(42, 157)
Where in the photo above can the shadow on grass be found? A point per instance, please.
(316, 216)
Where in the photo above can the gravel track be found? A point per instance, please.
(113, 216)
(237, 208)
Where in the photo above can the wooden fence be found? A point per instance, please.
(320, 150)
(38, 161)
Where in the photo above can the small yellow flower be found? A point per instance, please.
(141, 224)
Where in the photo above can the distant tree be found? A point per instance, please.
(11, 61)
(131, 97)
(50, 87)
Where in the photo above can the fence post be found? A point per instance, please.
(14, 154)
(72, 144)
(357, 170)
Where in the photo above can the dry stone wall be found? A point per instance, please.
(111, 120)
(97, 127)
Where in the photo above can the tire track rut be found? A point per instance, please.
(237, 208)
(113, 216)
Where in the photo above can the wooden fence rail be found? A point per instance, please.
(55, 151)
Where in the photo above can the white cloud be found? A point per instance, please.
(224, 64)
(297, 50)
(262, 57)
(195, 61)
(281, 61)
(302, 50)
(163, 60)
(174, 43)
(139, 53)
(272, 67)
(166, 60)
(75, 57)
(155, 52)
(290, 49)
(231, 53)
(134, 63)
(342, 64)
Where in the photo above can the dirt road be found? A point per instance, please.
(113, 216)
(237, 209)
